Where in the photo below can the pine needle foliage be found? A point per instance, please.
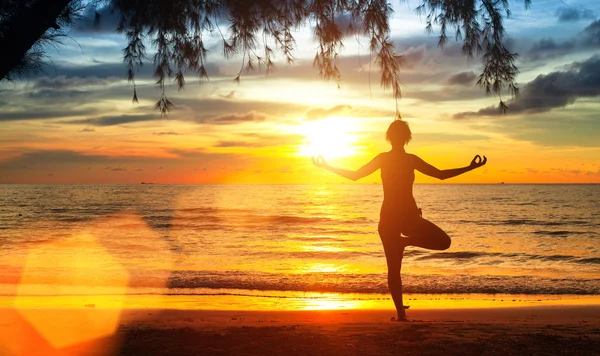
(258, 30)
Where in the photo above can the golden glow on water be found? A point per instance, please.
(58, 308)
(91, 263)
(322, 248)
(319, 267)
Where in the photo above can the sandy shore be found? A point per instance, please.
(567, 330)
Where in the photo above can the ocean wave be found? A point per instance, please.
(531, 222)
(452, 255)
(316, 255)
(377, 283)
(506, 256)
(562, 232)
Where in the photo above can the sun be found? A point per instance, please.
(331, 137)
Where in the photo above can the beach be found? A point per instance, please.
(213, 270)
(542, 330)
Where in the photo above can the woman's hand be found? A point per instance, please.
(478, 162)
(319, 162)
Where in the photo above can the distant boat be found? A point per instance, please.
(147, 183)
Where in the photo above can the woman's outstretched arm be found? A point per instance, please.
(363, 171)
(431, 171)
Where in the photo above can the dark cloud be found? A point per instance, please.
(251, 116)
(413, 56)
(349, 25)
(48, 157)
(87, 129)
(114, 120)
(571, 14)
(109, 20)
(462, 78)
(241, 144)
(449, 93)
(591, 34)
(200, 153)
(548, 48)
(80, 75)
(166, 133)
(552, 90)
(43, 113)
(359, 70)
(62, 82)
(211, 108)
(56, 94)
(95, 72)
(318, 113)
(50, 160)
(263, 140)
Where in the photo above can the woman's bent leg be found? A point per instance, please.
(423, 233)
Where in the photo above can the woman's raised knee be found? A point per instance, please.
(446, 243)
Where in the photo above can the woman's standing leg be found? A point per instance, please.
(393, 247)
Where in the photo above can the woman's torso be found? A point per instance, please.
(397, 176)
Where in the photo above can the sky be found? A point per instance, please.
(76, 123)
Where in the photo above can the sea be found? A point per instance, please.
(272, 242)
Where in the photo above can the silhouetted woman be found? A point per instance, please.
(399, 212)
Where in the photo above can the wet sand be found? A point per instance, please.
(556, 330)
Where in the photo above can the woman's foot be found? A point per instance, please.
(401, 314)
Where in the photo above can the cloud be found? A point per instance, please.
(347, 25)
(413, 56)
(591, 34)
(167, 133)
(54, 159)
(47, 157)
(231, 95)
(114, 120)
(240, 144)
(462, 78)
(434, 137)
(251, 116)
(571, 14)
(552, 90)
(212, 108)
(43, 113)
(263, 140)
(56, 94)
(109, 20)
(62, 82)
(318, 113)
(87, 129)
(547, 48)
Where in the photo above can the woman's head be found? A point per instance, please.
(398, 133)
